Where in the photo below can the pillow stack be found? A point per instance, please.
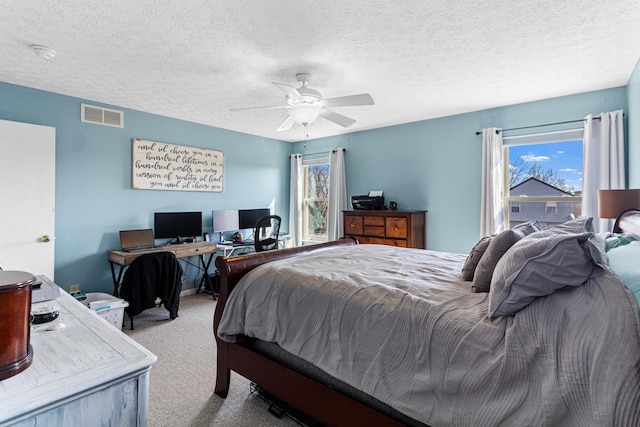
(518, 265)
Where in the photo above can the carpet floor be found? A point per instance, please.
(181, 382)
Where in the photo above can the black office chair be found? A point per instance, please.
(265, 235)
(149, 277)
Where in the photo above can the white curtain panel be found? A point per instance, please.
(603, 162)
(337, 194)
(491, 210)
(295, 197)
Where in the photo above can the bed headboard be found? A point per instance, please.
(628, 221)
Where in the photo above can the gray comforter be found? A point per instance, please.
(402, 326)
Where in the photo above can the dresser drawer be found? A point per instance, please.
(396, 227)
(353, 225)
(374, 220)
(373, 231)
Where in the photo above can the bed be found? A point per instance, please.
(376, 335)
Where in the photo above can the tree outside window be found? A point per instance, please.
(316, 202)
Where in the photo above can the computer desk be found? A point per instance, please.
(184, 250)
(228, 248)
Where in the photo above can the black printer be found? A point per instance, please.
(368, 202)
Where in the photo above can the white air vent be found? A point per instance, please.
(101, 116)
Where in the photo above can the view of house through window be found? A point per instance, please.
(544, 182)
(316, 200)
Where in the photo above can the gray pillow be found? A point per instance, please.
(498, 246)
(470, 264)
(577, 225)
(540, 265)
(528, 227)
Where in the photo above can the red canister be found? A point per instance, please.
(16, 353)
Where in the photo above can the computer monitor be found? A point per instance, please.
(177, 225)
(225, 220)
(247, 218)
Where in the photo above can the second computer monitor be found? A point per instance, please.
(247, 218)
(225, 220)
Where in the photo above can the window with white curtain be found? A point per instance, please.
(315, 204)
(543, 177)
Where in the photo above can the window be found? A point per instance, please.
(315, 202)
(543, 177)
(551, 207)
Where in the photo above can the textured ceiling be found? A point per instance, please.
(195, 59)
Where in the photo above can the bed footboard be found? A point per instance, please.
(231, 271)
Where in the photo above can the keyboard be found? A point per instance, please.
(245, 243)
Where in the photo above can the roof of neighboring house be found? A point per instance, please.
(541, 182)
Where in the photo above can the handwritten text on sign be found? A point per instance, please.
(161, 166)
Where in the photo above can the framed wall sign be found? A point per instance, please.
(162, 166)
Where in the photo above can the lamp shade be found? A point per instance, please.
(612, 202)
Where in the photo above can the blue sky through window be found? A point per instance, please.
(565, 158)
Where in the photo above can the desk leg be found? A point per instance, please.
(116, 281)
(205, 275)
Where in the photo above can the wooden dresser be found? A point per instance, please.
(385, 227)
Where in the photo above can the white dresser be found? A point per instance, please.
(87, 374)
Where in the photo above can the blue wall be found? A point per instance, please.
(94, 199)
(433, 165)
(436, 164)
(633, 93)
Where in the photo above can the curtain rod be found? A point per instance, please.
(321, 152)
(553, 132)
(538, 126)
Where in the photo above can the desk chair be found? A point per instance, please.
(265, 235)
(149, 277)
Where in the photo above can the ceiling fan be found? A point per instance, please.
(305, 104)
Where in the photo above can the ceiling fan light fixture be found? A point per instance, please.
(304, 113)
(305, 104)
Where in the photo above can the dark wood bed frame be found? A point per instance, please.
(319, 401)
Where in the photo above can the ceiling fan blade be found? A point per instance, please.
(286, 125)
(275, 107)
(343, 121)
(289, 90)
(345, 101)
